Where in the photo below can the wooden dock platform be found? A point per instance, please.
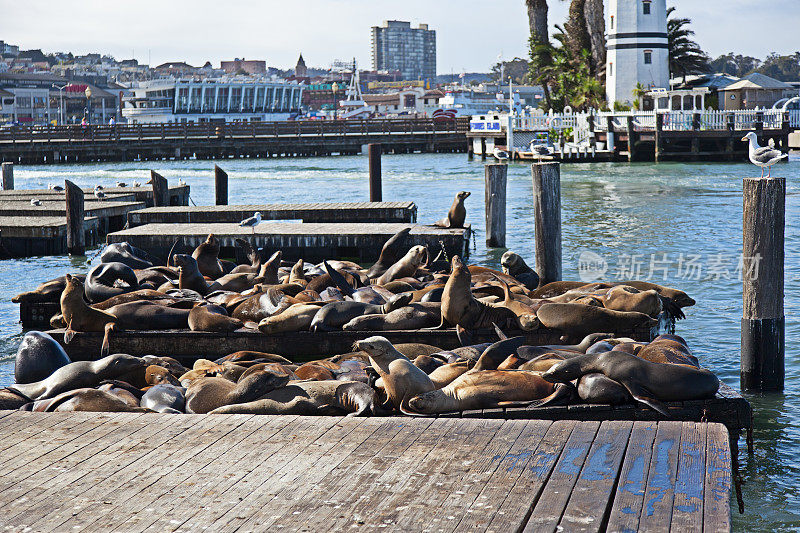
(178, 194)
(27, 236)
(312, 242)
(137, 472)
(311, 212)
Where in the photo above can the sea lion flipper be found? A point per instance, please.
(642, 395)
(464, 336)
(250, 325)
(499, 332)
(69, 334)
(105, 348)
(339, 280)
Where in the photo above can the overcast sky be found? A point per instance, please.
(471, 34)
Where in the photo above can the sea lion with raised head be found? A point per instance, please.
(189, 275)
(207, 257)
(457, 214)
(648, 383)
(109, 279)
(514, 265)
(123, 252)
(78, 316)
(390, 253)
(401, 379)
(38, 356)
(407, 266)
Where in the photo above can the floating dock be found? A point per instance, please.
(136, 472)
(27, 236)
(178, 194)
(397, 212)
(312, 242)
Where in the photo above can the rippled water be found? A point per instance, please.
(685, 218)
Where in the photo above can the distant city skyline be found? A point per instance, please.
(471, 34)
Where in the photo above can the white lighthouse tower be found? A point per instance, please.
(637, 48)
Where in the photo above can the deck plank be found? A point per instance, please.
(687, 507)
(629, 498)
(659, 494)
(717, 486)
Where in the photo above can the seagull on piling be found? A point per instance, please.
(541, 150)
(251, 222)
(181, 183)
(36, 202)
(99, 194)
(763, 156)
(54, 187)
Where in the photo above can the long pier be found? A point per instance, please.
(137, 472)
(146, 142)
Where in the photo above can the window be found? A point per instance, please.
(612, 22)
(646, 7)
(648, 57)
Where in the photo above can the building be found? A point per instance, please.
(416, 101)
(175, 68)
(637, 48)
(242, 66)
(754, 90)
(211, 100)
(398, 46)
(10, 49)
(300, 69)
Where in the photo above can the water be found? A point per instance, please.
(677, 216)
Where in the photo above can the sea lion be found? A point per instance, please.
(407, 266)
(158, 375)
(313, 371)
(390, 253)
(427, 364)
(88, 400)
(124, 391)
(514, 265)
(252, 255)
(411, 316)
(149, 315)
(209, 317)
(206, 394)
(49, 291)
(334, 315)
(164, 399)
(80, 317)
(123, 252)
(447, 373)
(312, 398)
(109, 279)
(457, 214)
(648, 383)
(207, 257)
(149, 295)
(80, 374)
(627, 298)
(596, 388)
(253, 356)
(190, 276)
(401, 379)
(38, 356)
(487, 389)
(579, 319)
(297, 275)
(556, 288)
(297, 317)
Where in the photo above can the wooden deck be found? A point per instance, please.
(398, 212)
(312, 242)
(178, 194)
(27, 236)
(151, 472)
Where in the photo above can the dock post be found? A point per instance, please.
(763, 323)
(76, 239)
(758, 124)
(220, 186)
(495, 201)
(160, 189)
(8, 176)
(470, 150)
(483, 148)
(547, 215)
(631, 140)
(659, 135)
(375, 186)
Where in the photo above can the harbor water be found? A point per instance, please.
(675, 224)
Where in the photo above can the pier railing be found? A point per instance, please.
(208, 130)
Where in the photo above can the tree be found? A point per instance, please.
(537, 19)
(585, 30)
(735, 65)
(784, 68)
(685, 55)
(516, 69)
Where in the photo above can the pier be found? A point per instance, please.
(148, 142)
(396, 212)
(312, 242)
(136, 472)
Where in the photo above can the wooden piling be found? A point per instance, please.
(483, 148)
(495, 201)
(631, 139)
(611, 144)
(547, 215)
(375, 186)
(8, 176)
(160, 189)
(763, 323)
(220, 186)
(76, 239)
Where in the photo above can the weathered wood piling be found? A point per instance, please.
(547, 216)
(375, 186)
(495, 202)
(76, 239)
(762, 268)
(160, 189)
(8, 176)
(220, 186)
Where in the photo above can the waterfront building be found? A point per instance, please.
(754, 90)
(212, 100)
(638, 52)
(242, 66)
(300, 69)
(416, 101)
(398, 46)
(468, 102)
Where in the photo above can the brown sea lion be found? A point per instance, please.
(313, 371)
(334, 315)
(579, 319)
(206, 394)
(330, 397)
(252, 356)
(648, 383)
(269, 270)
(401, 379)
(556, 288)
(514, 265)
(88, 400)
(297, 275)
(427, 364)
(487, 389)
(457, 214)
(297, 317)
(158, 375)
(149, 315)
(49, 291)
(149, 295)
(80, 317)
(212, 318)
(447, 373)
(207, 257)
(627, 298)
(406, 266)
(392, 251)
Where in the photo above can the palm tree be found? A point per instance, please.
(685, 55)
(537, 19)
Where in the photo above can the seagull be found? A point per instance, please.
(54, 187)
(541, 150)
(252, 222)
(99, 194)
(181, 183)
(121, 184)
(763, 156)
(137, 184)
(36, 202)
(499, 154)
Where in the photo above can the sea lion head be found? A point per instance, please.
(211, 240)
(568, 370)
(425, 403)
(398, 300)
(457, 266)
(418, 255)
(182, 260)
(261, 382)
(122, 363)
(463, 195)
(374, 346)
(512, 262)
(158, 375)
(681, 299)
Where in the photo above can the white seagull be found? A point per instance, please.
(36, 202)
(99, 194)
(137, 184)
(121, 184)
(251, 222)
(541, 150)
(500, 155)
(181, 183)
(54, 187)
(763, 156)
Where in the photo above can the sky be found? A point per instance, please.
(471, 34)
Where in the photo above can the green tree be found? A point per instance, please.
(735, 65)
(517, 69)
(685, 55)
